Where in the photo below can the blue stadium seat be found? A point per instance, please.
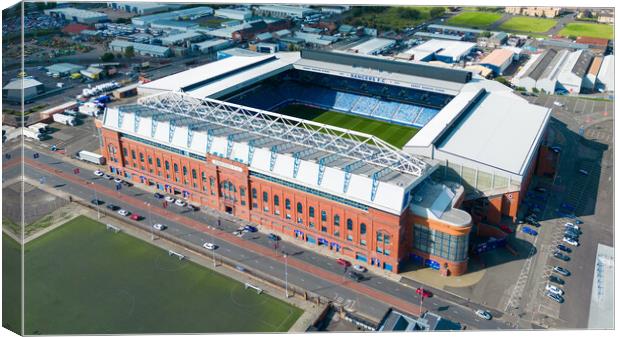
(365, 105)
(385, 110)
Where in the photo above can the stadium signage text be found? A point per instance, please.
(368, 78)
(226, 165)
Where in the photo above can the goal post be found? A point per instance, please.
(249, 285)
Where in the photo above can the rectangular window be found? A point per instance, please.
(288, 216)
(324, 229)
(337, 233)
(276, 212)
(133, 154)
(158, 162)
(150, 160)
(242, 192)
(349, 237)
(311, 224)
(125, 151)
(311, 211)
(387, 252)
(363, 242)
(142, 157)
(265, 197)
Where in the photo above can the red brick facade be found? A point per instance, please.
(377, 237)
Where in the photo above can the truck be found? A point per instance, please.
(90, 157)
(32, 134)
(64, 119)
(89, 108)
(39, 127)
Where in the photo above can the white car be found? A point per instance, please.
(483, 314)
(169, 198)
(583, 172)
(159, 226)
(570, 241)
(109, 177)
(118, 180)
(209, 246)
(98, 173)
(556, 103)
(359, 268)
(123, 212)
(571, 225)
(180, 202)
(554, 290)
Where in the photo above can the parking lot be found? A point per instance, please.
(71, 139)
(574, 105)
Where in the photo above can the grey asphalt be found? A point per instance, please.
(363, 303)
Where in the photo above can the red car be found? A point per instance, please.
(343, 262)
(424, 293)
(505, 229)
(136, 217)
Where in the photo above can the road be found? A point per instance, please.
(308, 270)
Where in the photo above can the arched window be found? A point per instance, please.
(287, 203)
(194, 173)
(362, 228)
(336, 220)
(300, 208)
(176, 167)
(265, 197)
(184, 170)
(276, 200)
(311, 211)
(349, 224)
(167, 166)
(158, 162)
(254, 195)
(323, 216)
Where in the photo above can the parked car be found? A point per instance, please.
(250, 229)
(571, 225)
(123, 212)
(180, 203)
(118, 180)
(555, 297)
(159, 227)
(193, 207)
(343, 262)
(112, 207)
(506, 229)
(107, 176)
(570, 241)
(556, 279)
(169, 199)
(136, 217)
(209, 246)
(561, 271)
(530, 231)
(560, 256)
(583, 172)
(359, 268)
(556, 149)
(564, 248)
(554, 289)
(273, 237)
(571, 235)
(556, 103)
(158, 196)
(96, 202)
(355, 276)
(578, 222)
(483, 314)
(423, 292)
(98, 173)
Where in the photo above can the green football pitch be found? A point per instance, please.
(397, 135)
(11, 284)
(82, 279)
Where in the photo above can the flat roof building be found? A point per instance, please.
(120, 46)
(140, 8)
(77, 15)
(63, 69)
(284, 11)
(241, 14)
(605, 76)
(182, 38)
(174, 25)
(211, 46)
(498, 60)
(19, 88)
(373, 46)
(440, 50)
(185, 14)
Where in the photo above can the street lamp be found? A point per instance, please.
(286, 274)
(150, 219)
(96, 200)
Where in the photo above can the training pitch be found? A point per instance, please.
(474, 19)
(83, 279)
(395, 134)
(588, 29)
(11, 284)
(528, 24)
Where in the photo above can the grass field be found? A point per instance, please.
(82, 279)
(397, 135)
(11, 284)
(588, 29)
(528, 24)
(474, 19)
(391, 18)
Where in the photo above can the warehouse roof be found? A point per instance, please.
(175, 23)
(293, 10)
(19, 83)
(170, 39)
(582, 63)
(595, 66)
(439, 36)
(498, 57)
(64, 68)
(268, 143)
(140, 46)
(78, 13)
(453, 49)
(458, 29)
(371, 46)
(538, 67)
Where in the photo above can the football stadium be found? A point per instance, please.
(382, 161)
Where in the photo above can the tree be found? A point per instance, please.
(107, 57)
(129, 52)
(409, 13)
(503, 81)
(485, 34)
(437, 11)
(535, 90)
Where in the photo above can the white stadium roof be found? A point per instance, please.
(341, 162)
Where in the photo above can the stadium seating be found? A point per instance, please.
(365, 105)
(385, 110)
(425, 116)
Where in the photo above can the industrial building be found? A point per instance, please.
(77, 15)
(63, 69)
(183, 14)
(439, 50)
(174, 25)
(498, 60)
(241, 14)
(120, 46)
(208, 135)
(182, 38)
(465, 33)
(555, 70)
(284, 11)
(539, 12)
(140, 8)
(18, 88)
(605, 77)
(373, 46)
(211, 46)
